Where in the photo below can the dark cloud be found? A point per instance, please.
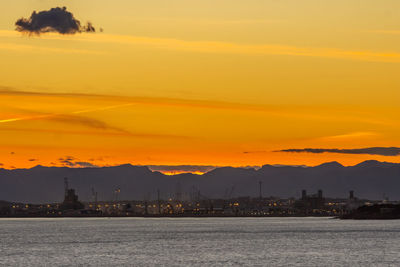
(66, 158)
(85, 164)
(70, 161)
(54, 20)
(381, 151)
(32, 159)
(85, 121)
(254, 152)
(67, 161)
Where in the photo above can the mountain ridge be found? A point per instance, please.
(41, 184)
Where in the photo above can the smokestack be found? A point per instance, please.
(260, 183)
(320, 194)
(303, 194)
(158, 201)
(351, 194)
(65, 186)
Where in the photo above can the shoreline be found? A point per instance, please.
(169, 216)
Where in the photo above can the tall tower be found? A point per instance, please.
(158, 201)
(65, 186)
(260, 185)
(303, 194)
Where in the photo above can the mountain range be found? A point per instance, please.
(369, 179)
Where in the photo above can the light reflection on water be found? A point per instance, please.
(199, 242)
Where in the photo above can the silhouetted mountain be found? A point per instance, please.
(369, 179)
(330, 165)
(375, 164)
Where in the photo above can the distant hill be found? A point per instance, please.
(369, 179)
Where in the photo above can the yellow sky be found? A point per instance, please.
(201, 82)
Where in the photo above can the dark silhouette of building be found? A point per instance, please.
(71, 201)
(353, 202)
(303, 194)
(311, 203)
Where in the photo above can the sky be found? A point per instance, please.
(216, 83)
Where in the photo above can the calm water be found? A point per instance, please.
(199, 242)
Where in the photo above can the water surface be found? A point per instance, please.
(198, 242)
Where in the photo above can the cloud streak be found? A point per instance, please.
(301, 112)
(72, 117)
(380, 151)
(75, 117)
(350, 136)
(252, 49)
(84, 121)
(42, 49)
(54, 20)
(218, 47)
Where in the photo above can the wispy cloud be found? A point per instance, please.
(35, 117)
(232, 48)
(85, 121)
(255, 49)
(71, 117)
(300, 112)
(205, 21)
(381, 151)
(6, 90)
(143, 135)
(105, 129)
(351, 135)
(74, 117)
(44, 49)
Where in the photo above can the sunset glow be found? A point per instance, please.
(201, 83)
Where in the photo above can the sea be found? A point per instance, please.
(199, 242)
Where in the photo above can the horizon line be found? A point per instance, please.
(212, 167)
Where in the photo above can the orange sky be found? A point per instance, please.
(207, 83)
